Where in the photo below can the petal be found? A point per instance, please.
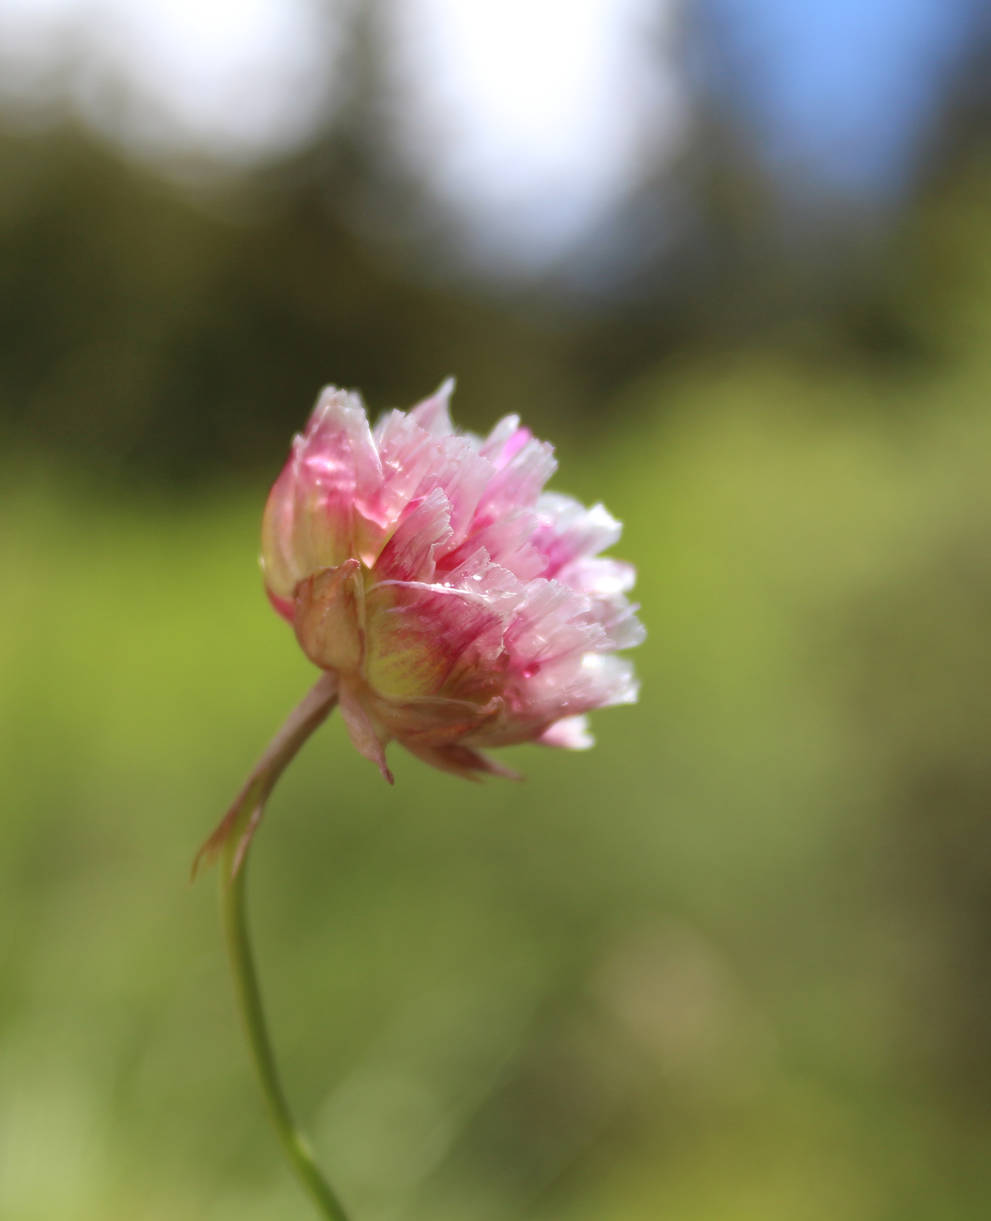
(324, 507)
(567, 687)
(329, 617)
(463, 761)
(423, 530)
(598, 576)
(505, 441)
(424, 639)
(282, 565)
(415, 462)
(283, 606)
(339, 443)
(342, 471)
(507, 540)
(618, 620)
(604, 681)
(433, 414)
(367, 737)
(567, 530)
(498, 439)
(522, 467)
(552, 622)
(434, 721)
(570, 733)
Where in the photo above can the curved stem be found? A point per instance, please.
(297, 1149)
(231, 841)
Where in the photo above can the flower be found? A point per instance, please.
(458, 605)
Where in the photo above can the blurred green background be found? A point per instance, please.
(731, 965)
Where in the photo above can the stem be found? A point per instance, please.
(231, 841)
(297, 1149)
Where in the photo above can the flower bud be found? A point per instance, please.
(459, 605)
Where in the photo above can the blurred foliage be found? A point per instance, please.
(161, 334)
(732, 964)
(147, 332)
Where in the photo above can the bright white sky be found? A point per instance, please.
(549, 105)
(532, 112)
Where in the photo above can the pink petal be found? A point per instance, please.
(323, 508)
(507, 540)
(329, 617)
(339, 444)
(499, 438)
(570, 733)
(605, 680)
(368, 738)
(598, 576)
(505, 441)
(434, 721)
(567, 530)
(518, 483)
(433, 414)
(415, 462)
(553, 621)
(342, 471)
(281, 566)
(463, 761)
(604, 582)
(424, 529)
(567, 687)
(283, 606)
(422, 636)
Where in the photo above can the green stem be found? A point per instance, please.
(249, 1000)
(232, 839)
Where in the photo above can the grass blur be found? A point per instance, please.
(729, 965)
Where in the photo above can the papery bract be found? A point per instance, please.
(458, 604)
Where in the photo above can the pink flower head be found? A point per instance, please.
(458, 604)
